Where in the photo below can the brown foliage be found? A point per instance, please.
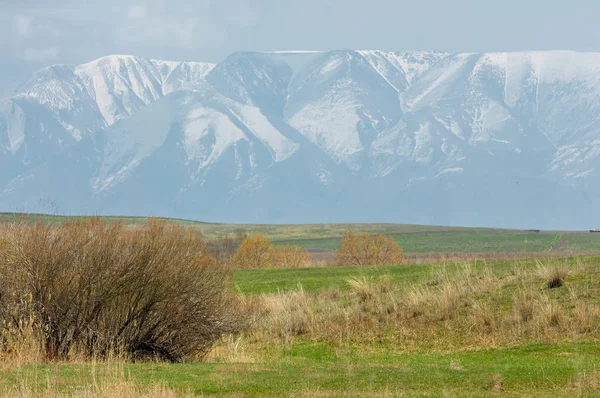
(363, 249)
(291, 257)
(96, 288)
(257, 251)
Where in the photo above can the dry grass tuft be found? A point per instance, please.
(366, 288)
(497, 384)
(524, 305)
(288, 315)
(554, 276)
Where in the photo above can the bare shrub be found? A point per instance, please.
(90, 289)
(364, 249)
(224, 247)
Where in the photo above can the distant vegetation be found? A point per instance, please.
(257, 251)
(417, 241)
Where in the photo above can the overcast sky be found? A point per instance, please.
(36, 33)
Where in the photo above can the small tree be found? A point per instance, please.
(224, 247)
(291, 257)
(363, 249)
(256, 251)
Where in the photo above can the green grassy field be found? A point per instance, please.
(444, 357)
(412, 238)
(315, 370)
(260, 281)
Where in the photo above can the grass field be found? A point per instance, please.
(462, 328)
(259, 281)
(324, 335)
(314, 370)
(412, 238)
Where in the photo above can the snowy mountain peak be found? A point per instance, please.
(349, 135)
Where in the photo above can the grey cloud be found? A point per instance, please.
(83, 30)
(73, 31)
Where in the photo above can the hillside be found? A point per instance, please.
(417, 239)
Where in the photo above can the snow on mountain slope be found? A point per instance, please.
(473, 96)
(340, 103)
(428, 137)
(89, 97)
(205, 123)
(253, 79)
(401, 69)
(424, 146)
(556, 93)
(279, 145)
(439, 83)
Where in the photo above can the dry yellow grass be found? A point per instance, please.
(110, 382)
(106, 389)
(467, 308)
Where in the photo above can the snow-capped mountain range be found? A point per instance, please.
(498, 139)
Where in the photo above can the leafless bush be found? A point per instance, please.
(224, 247)
(92, 289)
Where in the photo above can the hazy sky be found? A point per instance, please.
(36, 33)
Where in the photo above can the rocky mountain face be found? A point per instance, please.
(499, 139)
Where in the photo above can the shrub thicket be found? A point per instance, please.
(257, 251)
(224, 247)
(93, 289)
(363, 249)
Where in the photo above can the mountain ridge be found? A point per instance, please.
(421, 136)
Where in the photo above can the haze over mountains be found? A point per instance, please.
(499, 139)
